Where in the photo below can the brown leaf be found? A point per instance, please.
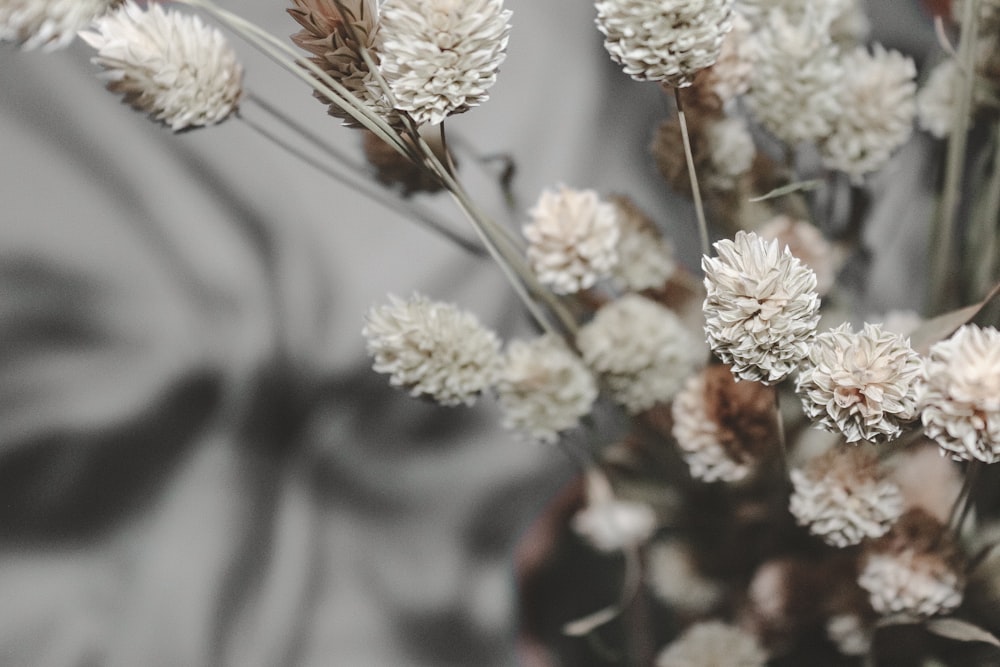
(942, 326)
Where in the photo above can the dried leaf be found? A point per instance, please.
(590, 622)
(798, 186)
(942, 326)
(959, 630)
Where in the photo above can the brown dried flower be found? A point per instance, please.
(396, 170)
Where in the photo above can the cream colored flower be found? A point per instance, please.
(863, 385)
(878, 95)
(960, 395)
(937, 97)
(808, 244)
(47, 24)
(641, 348)
(544, 388)
(645, 258)
(168, 64)
(850, 633)
(441, 56)
(915, 570)
(731, 149)
(730, 76)
(675, 580)
(432, 349)
(664, 40)
(609, 523)
(723, 428)
(761, 307)
(713, 644)
(843, 497)
(572, 237)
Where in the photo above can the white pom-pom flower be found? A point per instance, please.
(761, 307)
(544, 388)
(731, 149)
(664, 40)
(440, 57)
(168, 64)
(573, 238)
(936, 98)
(609, 523)
(960, 394)
(862, 385)
(713, 644)
(432, 349)
(47, 24)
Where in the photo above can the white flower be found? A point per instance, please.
(675, 580)
(168, 64)
(937, 97)
(843, 497)
(645, 258)
(609, 523)
(761, 307)
(664, 40)
(47, 24)
(730, 76)
(641, 348)
(850, 634)
(960, 396)
(862, 385)
(433, 349)
(793, 91)
(441, 56)
(713, 644)
(878, 96)
(731, 149)
(808, 244)
(572, 239)
(544, 388)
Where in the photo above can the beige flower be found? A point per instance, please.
(675, 580)
(863, 385)
(48, 24)
(171, 65)
(609, 523)
(807, 243)
(730, 76)
(432, 349)
(937, 97)
(713, 644)
(645, 258)
(761, 307)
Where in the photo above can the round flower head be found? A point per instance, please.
(572, 239)
(335, 42)
(844, 498)
(544, 388)
(729, 77)
(645, 258)
(440, 56)
(761, 307)
(915, 570)
(731, 150)
(713, 644)
(664, 40)
(47, 24)
(676, 581)
(168, 64)
(433, 349)
(960, 394)
(878, 94)
(862, 385)
(609, 523)
(723, 427)
(937, 97)
(641, 348)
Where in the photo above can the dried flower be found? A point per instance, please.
(960, 395)
(394, 169)
(168, 64)
(731, 149)
(713, 644)
(641, 348)
(609, 523)
(645, 258)
(441, 56)
(674, 578)
(573, 237)
(937, 97)
(844, 498)
(730, 76)
(48, 24)
(878, 95)
(793, 91)
(761, 307)
(862, 385)
(335, 42)
(914, 570)
(808, 244)
(723, 427)
(668, 41)
(433, 349)
(850, 633)
(544, 388)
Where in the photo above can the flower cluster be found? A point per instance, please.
(48, 24)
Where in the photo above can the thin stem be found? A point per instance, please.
(963, 503)
(388, 199)
(448, 161)
(695, 190)
(779, 424)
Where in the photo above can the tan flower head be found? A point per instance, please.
(48, 24)
(168, 64)
(432, 349)
(863, 385)
(713, 644)
(761, 307)
(960, 395)
(843, 497)
(664, 40)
